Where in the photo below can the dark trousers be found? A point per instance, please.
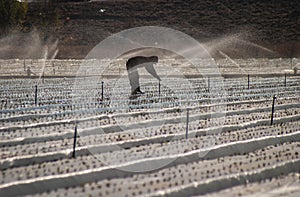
(133, 76)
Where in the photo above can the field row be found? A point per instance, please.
(69, 67)
(56, 99)
(269, 161)
(207, 116)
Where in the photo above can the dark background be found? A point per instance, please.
(79, 26)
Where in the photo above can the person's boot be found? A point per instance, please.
(138, 91)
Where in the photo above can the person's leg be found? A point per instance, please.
(133, 76)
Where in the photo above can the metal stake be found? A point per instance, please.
(248, 82)
(187, 123)
(159, 88)
(208, 84)
(285, 79)
(102, 90)
(35, 95)
(272, 114)
(75, 137)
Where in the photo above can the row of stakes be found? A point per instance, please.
(159, 88)
(187, 125)
(285, 80)
(188, 116)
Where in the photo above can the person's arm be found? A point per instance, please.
(152, 71)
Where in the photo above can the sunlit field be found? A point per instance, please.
(233, 134)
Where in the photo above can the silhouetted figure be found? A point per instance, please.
(29, 72)
(137, 62)
(295, 70)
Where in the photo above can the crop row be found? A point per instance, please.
(267, 157)
(173, 180)
(51, 94)
(49, 125)
(135, 148)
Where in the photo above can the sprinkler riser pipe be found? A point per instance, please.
(75, 138)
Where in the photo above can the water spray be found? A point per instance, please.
(45, 57)
(232, 61)
(256, 45)
(43, 66)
